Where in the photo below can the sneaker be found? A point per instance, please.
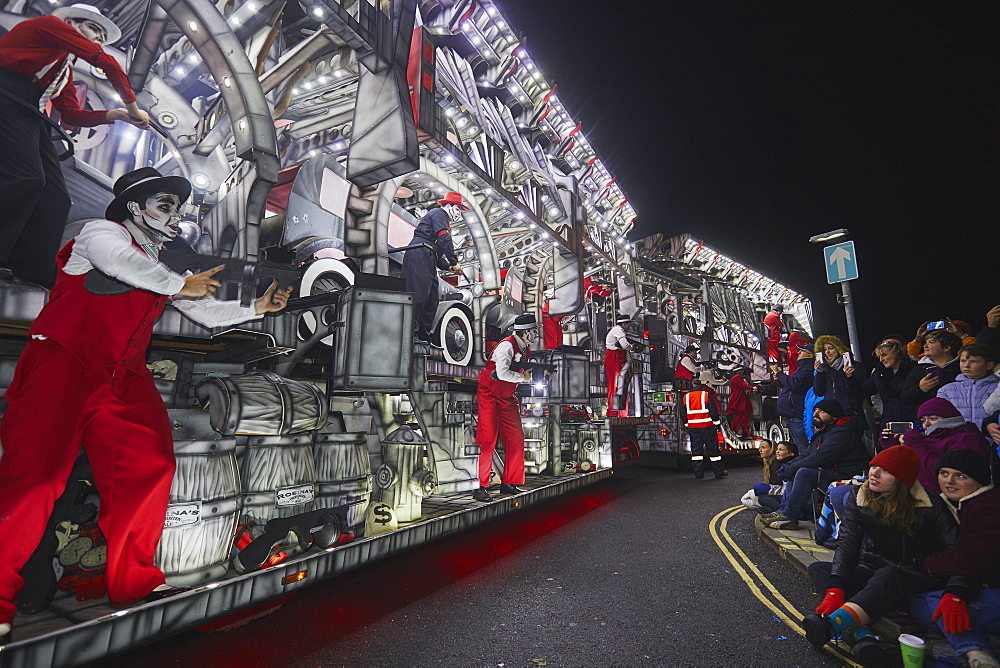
(765, 516)
(819, 630)
(873, 652)
(779, 521)
(724, 474)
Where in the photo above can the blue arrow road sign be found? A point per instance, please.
(841, 262)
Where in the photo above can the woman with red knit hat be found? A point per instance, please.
(903, 524)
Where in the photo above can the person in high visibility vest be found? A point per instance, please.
(702, 423)
(500, 409)
(616, 352)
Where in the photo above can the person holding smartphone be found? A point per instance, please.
(887, 381)
(939, 366)
(836, 375)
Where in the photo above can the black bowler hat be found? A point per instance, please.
(526, 321)
(145, 181)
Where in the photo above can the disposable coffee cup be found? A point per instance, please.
(912, 648)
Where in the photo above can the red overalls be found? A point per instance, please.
(614, 360)
(87, 382)
(500, 415)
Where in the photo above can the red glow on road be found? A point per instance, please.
(324, 613)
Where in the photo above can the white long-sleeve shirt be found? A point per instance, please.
(615, 340)
(503, 355)
(107, 246)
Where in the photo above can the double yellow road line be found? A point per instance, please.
(760, 586)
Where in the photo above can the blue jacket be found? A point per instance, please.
(791, 401)
(968, 395)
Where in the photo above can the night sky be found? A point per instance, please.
(755, 125)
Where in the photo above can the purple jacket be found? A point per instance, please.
(968, 395)
(975, 558)
(944, 435)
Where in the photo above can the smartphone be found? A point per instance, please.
(937, 324)
(899, 427)
(934, 370)
(847, 359)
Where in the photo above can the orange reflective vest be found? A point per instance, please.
(696, 408)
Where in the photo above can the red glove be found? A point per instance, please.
(834, 599)
(955, 613)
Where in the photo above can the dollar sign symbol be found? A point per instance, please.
(382, 515)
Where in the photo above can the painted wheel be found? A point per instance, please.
(455, 337)
(774, 432)
(322, 276)
(386, 476)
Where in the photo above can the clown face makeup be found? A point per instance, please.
(454, 213)
(92, 30)
(159, 216)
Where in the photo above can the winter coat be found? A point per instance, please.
(830, 382)
(771, 470)
(888, 384)
(934, 530)
(791, 401)
(836, 447)
(969, 396)
(974, 561)
(942, 436)
(992, 403)
(739, 395)
(912, 394)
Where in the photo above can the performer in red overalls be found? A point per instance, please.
(36, 68)
(775, 326)
(616, 350)
(83, 378)
(739, 405)
(686, 368)
(500, 409)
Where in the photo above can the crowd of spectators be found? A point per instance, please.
(919, 528)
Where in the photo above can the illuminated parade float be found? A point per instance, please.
(316, 137)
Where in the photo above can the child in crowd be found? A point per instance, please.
(766, 497)
(974, 384)
(766, 450)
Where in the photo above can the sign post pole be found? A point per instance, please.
(842, 267)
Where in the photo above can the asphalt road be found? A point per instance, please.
(623, 573)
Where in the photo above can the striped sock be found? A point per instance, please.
(862, 633)
(843, 619)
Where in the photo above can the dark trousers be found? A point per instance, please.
(875, 590)
(420, 274)
(34, 201)
(705, 442)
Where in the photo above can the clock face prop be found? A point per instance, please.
(74, 550)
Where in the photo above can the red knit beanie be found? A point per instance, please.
(902, 462)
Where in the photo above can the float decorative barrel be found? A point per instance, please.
(262, 403)
(278, 474)
(204, 502)
(344, 474)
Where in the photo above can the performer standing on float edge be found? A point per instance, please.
(36, 59)
(83, 378)
(500, 409)
(616, 350)
(775, 327)
(702, 422)
(686, 368)
(436, 251)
